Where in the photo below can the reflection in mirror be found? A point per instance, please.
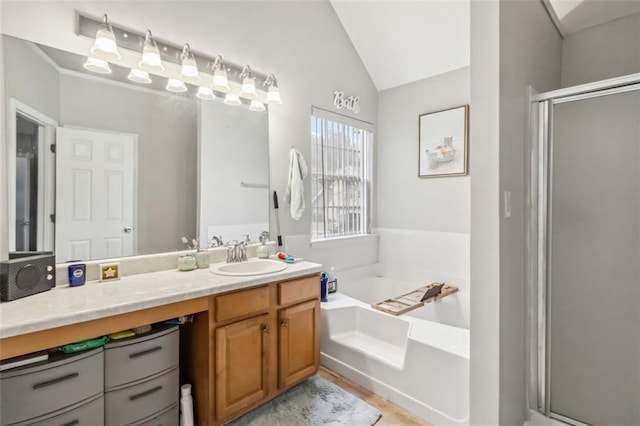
(126, 160)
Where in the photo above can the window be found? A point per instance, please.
(341, 162)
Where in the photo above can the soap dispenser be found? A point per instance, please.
(263, 251)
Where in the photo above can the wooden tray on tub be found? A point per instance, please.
(415, 299)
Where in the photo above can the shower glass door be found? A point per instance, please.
(592, 272)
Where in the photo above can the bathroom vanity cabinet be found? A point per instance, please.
(264, 340)
(244, 346)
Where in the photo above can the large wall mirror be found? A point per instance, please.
(102, 167)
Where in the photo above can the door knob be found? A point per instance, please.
(127, 229)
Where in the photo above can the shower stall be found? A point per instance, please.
(584, 253)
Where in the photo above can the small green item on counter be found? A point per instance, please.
(85, 345)
(122, 334)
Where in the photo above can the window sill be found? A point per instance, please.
(343, 241)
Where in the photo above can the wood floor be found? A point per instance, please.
(392, 415)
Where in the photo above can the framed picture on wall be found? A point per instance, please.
(443, 142)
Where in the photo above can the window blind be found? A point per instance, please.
(341, 163)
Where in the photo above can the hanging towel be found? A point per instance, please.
(298, 170)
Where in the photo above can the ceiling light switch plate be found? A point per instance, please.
(109, 271)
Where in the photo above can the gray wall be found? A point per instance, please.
(530, 52)
(303, 43)
(31, 79)
(167, 143)
(513, 45)
(403, 199)
(4, 217)
(484, 146)
(608, 50)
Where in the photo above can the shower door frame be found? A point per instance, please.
(539, 226)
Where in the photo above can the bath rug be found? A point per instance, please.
(312, 402)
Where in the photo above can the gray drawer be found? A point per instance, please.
(131, 404)
(30, 392)
(169, 417)
(137, 358)
(87, 413)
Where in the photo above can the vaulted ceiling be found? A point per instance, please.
(401, 41)
(404, 41)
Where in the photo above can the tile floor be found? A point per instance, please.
(392, 415)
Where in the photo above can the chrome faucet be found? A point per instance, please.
(236, 251)
(215, 242)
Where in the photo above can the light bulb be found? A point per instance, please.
(205, 93)
(232, 99)
(175, 85)
(99, 66)
(139, 76)
(105, 44)
(189, 66)
(273, 95)
(256, 106)
(151, 55)
(220, 81)
(248, 89)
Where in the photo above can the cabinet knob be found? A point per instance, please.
(284, 322)
(266, 328)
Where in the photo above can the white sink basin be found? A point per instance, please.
(249, 267)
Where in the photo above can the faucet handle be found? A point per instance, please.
(247, 240)
(264, 236)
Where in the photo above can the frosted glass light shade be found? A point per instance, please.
(256, 106)
(189, 66)
(151, 55)
(232, 99)
(139, 76)
(220, 81)
(176, 86)
(97, 65)
(273, 95)
(205, 93)
(105, 45)
(248, 89)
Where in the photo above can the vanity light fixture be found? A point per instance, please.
(105, 44)
(176, 86)
(97, 65)
(186, 66)
(248, 89)
(273, 94)
(256, 106)
(220, 80)
(151, 55)
(205, 93)
(139, 76)
(189, 66)
(232, 99)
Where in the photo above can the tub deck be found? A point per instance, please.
(421, 365)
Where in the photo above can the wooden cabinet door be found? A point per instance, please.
(241, 365)
(299, 330)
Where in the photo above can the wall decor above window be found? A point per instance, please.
(443, 143)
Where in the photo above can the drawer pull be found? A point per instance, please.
(72, 423)
(145, 352)
(145, 393)
(56, 380)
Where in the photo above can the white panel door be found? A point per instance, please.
(95, 194)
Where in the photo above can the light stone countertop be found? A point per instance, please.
(64, 305)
